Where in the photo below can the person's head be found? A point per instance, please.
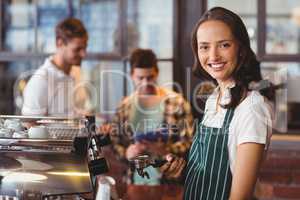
(71, 41)
(144, 70)
(222, 52)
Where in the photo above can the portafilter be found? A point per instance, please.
(143, 161)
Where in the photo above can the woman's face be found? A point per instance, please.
(217, 50)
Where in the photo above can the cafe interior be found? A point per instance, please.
(48, 168)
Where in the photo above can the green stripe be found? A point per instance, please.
(211, 181)
(219, 167)
(208, 162)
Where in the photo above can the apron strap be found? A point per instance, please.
(228, 118)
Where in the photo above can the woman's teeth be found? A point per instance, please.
(217, 66)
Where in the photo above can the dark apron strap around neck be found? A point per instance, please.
(228, 118)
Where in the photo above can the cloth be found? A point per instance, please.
(177, 117)
(208, 174)
(49, 92)
(252, 120)
(154, 177)
(146, 119)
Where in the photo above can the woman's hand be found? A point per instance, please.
(174, 167)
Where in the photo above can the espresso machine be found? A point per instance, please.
(63, 164)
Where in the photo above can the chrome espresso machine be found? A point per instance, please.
(57, 158)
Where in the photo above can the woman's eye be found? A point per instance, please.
(224, 45)
(203, 48)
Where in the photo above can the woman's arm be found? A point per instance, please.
(247, 165)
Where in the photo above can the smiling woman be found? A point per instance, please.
(236, 127)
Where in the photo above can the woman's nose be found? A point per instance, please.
(214, 54)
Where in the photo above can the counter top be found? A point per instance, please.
(44, 174)
(163, 192)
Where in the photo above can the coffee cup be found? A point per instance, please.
(20, 134)
(38, 132)
(14, 124)
(1, 122)
(106, 188)
(6, 133)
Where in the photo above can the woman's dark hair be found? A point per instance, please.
(143, 58)
(248, 67)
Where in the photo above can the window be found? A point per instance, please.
(102, 21)
(19, 22)
(115, 28)
(247, 10)
(149, 27)
(274, 30)
(282, 27)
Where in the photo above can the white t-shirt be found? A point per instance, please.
(251, 122)
(49, 92)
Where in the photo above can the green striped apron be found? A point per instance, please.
(208, 175)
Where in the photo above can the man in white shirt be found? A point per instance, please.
(51, 89)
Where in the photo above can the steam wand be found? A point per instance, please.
(96, 161)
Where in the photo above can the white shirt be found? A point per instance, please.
(49, 92)
(251, 122)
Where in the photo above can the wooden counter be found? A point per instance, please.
(164, 192)
(139, 192)
(280, 175)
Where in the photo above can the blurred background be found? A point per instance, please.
(118, 26)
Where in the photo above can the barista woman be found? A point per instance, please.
(233, 136)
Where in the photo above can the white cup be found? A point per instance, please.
(14, 124)
(20, 134)
(38, 132)
(6, 133)
(106, 189)
(1, 122)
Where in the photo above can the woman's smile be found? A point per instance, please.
(217, 66)
(217, 50)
